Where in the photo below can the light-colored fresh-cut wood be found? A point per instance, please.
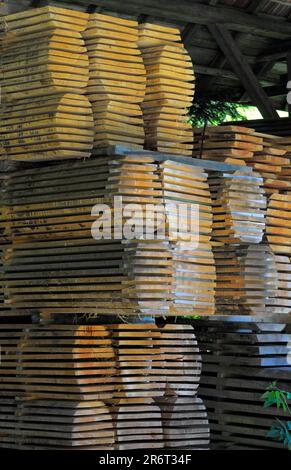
(228, 144)
(239, 206)
(48, 217)
(169, 90)
(278, 224)
(117, 80)
(47, 128)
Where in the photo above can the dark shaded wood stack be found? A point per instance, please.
(169, 90)
(45, 71)
(117, 81)
(228, 144)
(240, 360)
(247, 280)
(185, 423)
(53, 378)
(63, 425)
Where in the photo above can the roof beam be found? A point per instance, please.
(256, 5)
(243, 70)
(189, 12)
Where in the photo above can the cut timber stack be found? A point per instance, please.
(240, 360)
(239, 207)
(228, 144)
(278, 235)
(45, 71)
(190, 226)
(169, 90)
(270, 162)
(53, 378)
(55, 266)
(116, 81)
(247, 280)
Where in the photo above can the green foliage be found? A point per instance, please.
(214, 112)
(280, 431)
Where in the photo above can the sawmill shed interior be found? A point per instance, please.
(130, 339)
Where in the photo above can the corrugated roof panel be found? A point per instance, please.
(272, 7)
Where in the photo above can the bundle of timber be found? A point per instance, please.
(64, 261)
(239, 207)
(247, 280)
(43, 53)
(278, 235)
(169, 89)
(278, 223)
(190, 227)
(63, 425)
(240, 360)
(116, 80)
(228, 144)
(45, 70)
(47, 128)
(146, 376)
(271, 162)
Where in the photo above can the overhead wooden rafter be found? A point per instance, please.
(241, 67)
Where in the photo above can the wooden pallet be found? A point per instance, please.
(239, 362)
(117, 80)
(169, 90)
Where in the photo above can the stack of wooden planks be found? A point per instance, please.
(117, 81)
(278, 236)
(240, 360)
(55, 266)
(271, 162)
(228, 144)
(54, 376)
(247, 279)
(169, 90)
(45, 72)
(239, 206)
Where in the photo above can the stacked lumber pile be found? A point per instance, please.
(271, 162)
(169, 90)
(228, 144)
(190, 235)
(44, 75)
(278, 236)
(100, 387)
(117, 80)
(240, 360)
(239, 207)
(55, 266)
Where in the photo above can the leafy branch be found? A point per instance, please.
(280, 431)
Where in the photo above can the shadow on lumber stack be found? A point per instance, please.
(101, 387)
(240, 360)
